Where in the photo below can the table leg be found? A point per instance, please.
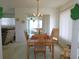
(52, 50)
(27, 51)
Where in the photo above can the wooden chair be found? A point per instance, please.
(54, 36)
(38, 49)
(55, 33)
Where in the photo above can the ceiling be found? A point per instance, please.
(10, 5)
(43, 3)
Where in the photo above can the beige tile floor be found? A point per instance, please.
(18, 51)
(14, 51)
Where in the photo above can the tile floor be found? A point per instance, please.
(18, 51)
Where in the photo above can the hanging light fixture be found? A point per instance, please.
(37, 14)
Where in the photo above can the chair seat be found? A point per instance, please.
(40, 49)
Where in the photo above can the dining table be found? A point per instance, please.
(40, 36)
(40, 40)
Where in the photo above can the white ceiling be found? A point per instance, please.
(10, 5)
(43, 3)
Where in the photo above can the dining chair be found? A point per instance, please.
(54, 35)
(40, 49)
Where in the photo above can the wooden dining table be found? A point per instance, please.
(43, 42)
(40, 36)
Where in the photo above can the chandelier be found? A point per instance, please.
(37, 13)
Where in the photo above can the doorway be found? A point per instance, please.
(8, 30)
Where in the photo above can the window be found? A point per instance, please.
(66, 25)
(32, 24)
(8, 22)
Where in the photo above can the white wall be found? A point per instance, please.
(46, 23)
(19, 28)
(1, 57)
(77, 1)
(54, 19)
(75, 37)
(52, 22)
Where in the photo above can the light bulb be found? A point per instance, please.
(41, 14)
(34, 14)
(38, 14)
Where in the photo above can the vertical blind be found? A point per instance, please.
(66, 25)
